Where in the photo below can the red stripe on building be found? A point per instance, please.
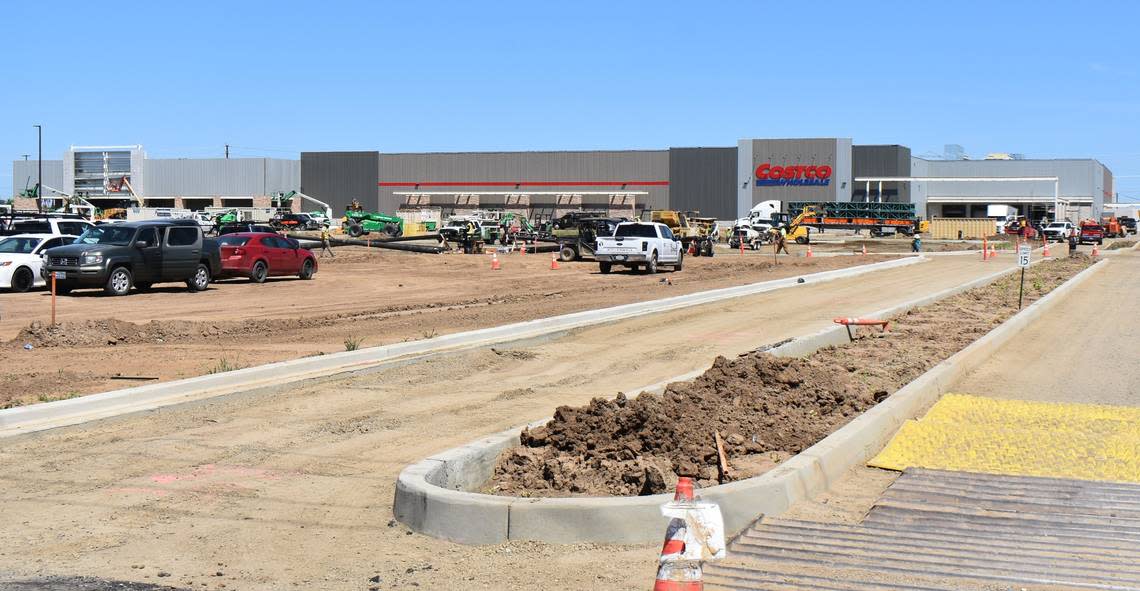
(525, 184)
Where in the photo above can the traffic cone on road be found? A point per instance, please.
(1045, 248)
(1096, 250)
(993, 251)
(495, 261)
(864, 250)
(676, 574)
(554, 262)
(809, 254)
(522, 247)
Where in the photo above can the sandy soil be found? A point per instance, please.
(293, 488)
(369, 296)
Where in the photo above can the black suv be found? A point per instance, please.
(140, 254)
(295, 221)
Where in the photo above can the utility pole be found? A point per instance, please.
(25, 156)
(40, 168)
(227, 151)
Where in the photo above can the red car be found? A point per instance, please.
(259, 255)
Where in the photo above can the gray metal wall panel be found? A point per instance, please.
(508, 167)
(891, 160)
(1078, 178)
(219, 176)
(24, 175)
(339, 177)
(703, 179)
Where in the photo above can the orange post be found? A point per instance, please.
(985, 250)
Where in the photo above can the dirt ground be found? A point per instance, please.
(1076, 353)
(766, 408)
(293, 489)
(363, 297)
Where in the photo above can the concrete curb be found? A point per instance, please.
(430, 495)
(37, 417)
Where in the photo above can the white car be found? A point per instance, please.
(1059, 231)
(643, 245)
(51, 225)
(20, 259)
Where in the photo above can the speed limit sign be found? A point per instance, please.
(1023, 255)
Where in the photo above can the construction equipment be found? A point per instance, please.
(581, 241)
(117, 186)
(1112, 227)
(878, 218)
(705, 225)
(285, 201)
(358, 223)
(694, 238)
(470, 232)
(514, 226)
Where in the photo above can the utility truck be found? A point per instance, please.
(640, 245)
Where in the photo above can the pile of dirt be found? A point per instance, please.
(765, 408)
(1121, 244)
(111, 331)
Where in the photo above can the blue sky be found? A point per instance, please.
(1047, 79)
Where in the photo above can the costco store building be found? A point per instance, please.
(720, 182)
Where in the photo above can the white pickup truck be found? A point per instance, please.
(637, 245)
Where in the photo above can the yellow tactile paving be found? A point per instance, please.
(977, 434)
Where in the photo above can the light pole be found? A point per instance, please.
(40, 168)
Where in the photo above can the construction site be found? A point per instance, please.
(346, 373)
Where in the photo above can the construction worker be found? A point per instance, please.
(326, 237)
(781, 241)
(1073, 244)
(916, 243)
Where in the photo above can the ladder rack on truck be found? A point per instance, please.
(878, 218)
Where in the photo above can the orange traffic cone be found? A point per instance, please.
(809, 254)
(1045, 249)
(993, 251)
(676, 574)
(864, 249)
(554, 262)
(1096, 250)
(522, 247)
(495, 261)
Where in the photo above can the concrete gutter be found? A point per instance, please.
(48, 415)
(431, 495)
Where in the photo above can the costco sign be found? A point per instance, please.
(768, 175)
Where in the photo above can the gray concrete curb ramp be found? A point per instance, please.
(431, 495)
(49, 415)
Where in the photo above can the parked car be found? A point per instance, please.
(1128, 223)
(21, 259)
(116, 257)
(1058, 231)
(244, 227)
(637, 245)
(295, 221)
(1091, 232)
(260, 255)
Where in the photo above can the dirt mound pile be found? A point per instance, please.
(765, 408)
(111, 331)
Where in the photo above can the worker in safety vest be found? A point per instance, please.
(781, 241)
(326, 239)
